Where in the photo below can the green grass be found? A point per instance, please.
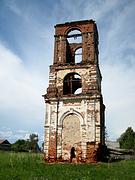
(27, 166)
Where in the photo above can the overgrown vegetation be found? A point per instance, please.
(29, 145)
(30, 166)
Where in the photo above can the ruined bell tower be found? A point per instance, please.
(74, 121)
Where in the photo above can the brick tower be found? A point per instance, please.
(74, 122)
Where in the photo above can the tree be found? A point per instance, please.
(28, 145)
(127, 139)
(33, 139)
(106, 134)
(42, 146)
(20, 146)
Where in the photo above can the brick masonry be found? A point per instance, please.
(74, 120)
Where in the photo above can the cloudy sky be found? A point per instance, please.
(26, 51)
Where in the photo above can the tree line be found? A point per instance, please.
(126, 141)
(29, 145)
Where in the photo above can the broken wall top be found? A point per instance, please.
(84, 26)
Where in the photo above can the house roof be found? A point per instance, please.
(4, 141)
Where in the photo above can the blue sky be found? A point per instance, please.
(26, 51)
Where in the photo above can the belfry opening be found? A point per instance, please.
(71, 83)
(74, 118)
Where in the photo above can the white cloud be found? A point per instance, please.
(21, 90)
(5, 133)
(14, 135)
(23, 80)
(119, 98)
(13, 7)
(117, 59)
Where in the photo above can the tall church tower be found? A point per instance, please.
(74, 121)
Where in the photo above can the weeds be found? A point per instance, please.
(28, 166)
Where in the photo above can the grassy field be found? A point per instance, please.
(26, 166)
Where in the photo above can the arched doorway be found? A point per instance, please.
(71, 135)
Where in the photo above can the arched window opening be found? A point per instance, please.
(72, 83)
(74, 36)
(78, 56)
